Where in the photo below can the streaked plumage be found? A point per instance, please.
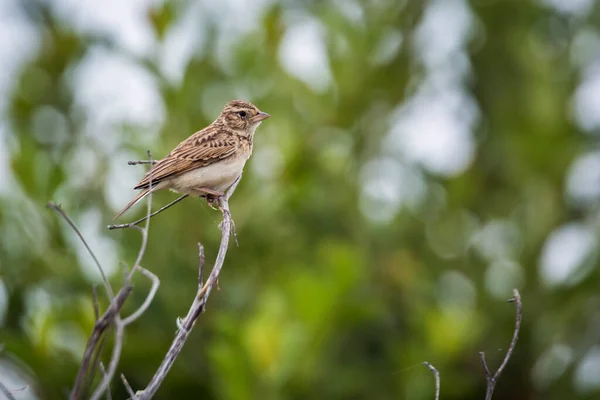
(210, 160)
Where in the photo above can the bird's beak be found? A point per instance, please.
(260, 116)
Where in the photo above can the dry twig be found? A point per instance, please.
(112, 314)
(6, 392)
(142, 162)
(436, 375)
(186, 325)
(131, 224)
(492, 379)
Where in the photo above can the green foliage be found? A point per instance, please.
(341, 285)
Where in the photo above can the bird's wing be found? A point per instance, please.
(203, 148)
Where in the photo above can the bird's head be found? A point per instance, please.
(241, 116)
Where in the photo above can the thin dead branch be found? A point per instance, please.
(127, 387)
(111, 316)
(6, 392)
(105, 281)
(492, 379)
(436, 376)
(131, 224)
(185, 326)
(99, 328)
(137, 162)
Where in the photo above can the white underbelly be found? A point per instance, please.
(218, 177)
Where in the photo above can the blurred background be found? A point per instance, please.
(423, 158)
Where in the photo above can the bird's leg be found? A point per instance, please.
(211, 196)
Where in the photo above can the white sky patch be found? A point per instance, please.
(91, 225)
(455, 289)
(502, 276)
(124, 22)
(352, 10)
(114, 91)
(236, 17)
(564, 253)
(583, 179)
(304, 56)
(498, 240)
(551, 365)
(573, 7)
(181, 41)
(16, 380)
(587, 101)
(388, 47)
(585, 47)
(434, 129)
(443, 31)
(20, 42)
(121, 179)
(386, 185)
(587, 378)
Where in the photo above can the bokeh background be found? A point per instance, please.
(423, 158)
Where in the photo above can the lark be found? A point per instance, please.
(208, 162)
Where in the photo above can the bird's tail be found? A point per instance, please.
(137, 198)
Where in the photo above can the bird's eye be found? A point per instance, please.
(242, 114)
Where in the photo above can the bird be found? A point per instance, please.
(209, 161)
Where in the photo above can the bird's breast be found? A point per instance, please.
(218, 176)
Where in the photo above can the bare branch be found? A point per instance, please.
(142, 162)
(142, 309)
(185, 326)
(111, 316)
(493, 379)
(130, 224)
(108, 396)
(96, 305)
(6, 392)
(59, 210)
(114, 360)
(200, 265)
(127, 387)
(436, 375)
(99, 328)
(119, 323)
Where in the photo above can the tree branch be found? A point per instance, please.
(436, 376)
(137, 162)
(112, 314)
(493, 379)
(131, 224)
(186, 325)
(6, 392)
(99, 328)
(105, 281)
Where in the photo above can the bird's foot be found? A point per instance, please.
(212, 197)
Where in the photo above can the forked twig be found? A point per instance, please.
(6, 392)
(111, 315)
(436, 375)
(493, 379)
(120, 324)
(99, 328)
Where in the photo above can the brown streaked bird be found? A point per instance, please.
(208, 162)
